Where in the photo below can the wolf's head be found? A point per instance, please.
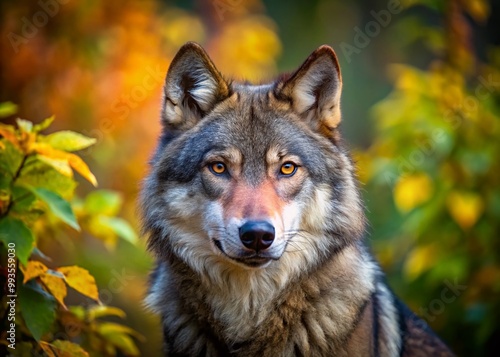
(251, 176)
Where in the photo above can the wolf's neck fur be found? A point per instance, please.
(237, 301)
(246, 300)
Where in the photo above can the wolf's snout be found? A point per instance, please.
(257, 235)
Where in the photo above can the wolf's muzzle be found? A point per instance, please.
(257, 235)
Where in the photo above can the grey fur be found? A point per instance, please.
(317, 292)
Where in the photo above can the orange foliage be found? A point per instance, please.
(103, 74)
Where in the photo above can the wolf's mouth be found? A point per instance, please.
(253, 261)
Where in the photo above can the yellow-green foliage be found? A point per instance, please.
(433, 188)
(36, 201)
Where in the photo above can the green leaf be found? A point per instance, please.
(7, 109)
(10, 158)
(37, 308)
(120, 227)
(43, 125)
(69, 141)
(58, 206)
(13, 230)
(24, 204)
(104, 202)
(5, 191)
(23, 200)
(39, 174)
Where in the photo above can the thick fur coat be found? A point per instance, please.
(254, 216)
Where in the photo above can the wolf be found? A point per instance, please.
(253, 213)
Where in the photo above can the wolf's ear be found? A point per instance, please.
(192, 88)
(314, 90)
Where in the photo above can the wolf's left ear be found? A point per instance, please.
(314, 90)
(192, 88)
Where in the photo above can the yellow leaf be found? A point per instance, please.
(102, 310)
(74, 161)
(48, 151)
(465, 208)
(122, 342)
(56, 287)
(60, 165)
(407, 78)
(47, 348)
(80, 280)
(60, 348)
(478, 9)
(8, 132)
(81, 167)
(33, 270)
(78, 312)
(69, 349)
(107, 328)
(118, 335)
(95, 226)
(411, 191)
(419, 260)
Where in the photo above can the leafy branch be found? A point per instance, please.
(37, 193)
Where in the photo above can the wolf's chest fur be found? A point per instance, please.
(253, 213)
(264, 316)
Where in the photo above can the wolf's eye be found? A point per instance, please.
(218, 168)
(288, 169)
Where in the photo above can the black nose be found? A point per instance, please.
(257, 235)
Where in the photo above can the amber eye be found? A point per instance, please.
(288, 168)
(218, 168)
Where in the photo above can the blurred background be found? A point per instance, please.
(421, 113)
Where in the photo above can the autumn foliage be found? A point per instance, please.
(433, 167)
(37, 197)
(426, 143)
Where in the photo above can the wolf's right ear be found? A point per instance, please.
(192, 88)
